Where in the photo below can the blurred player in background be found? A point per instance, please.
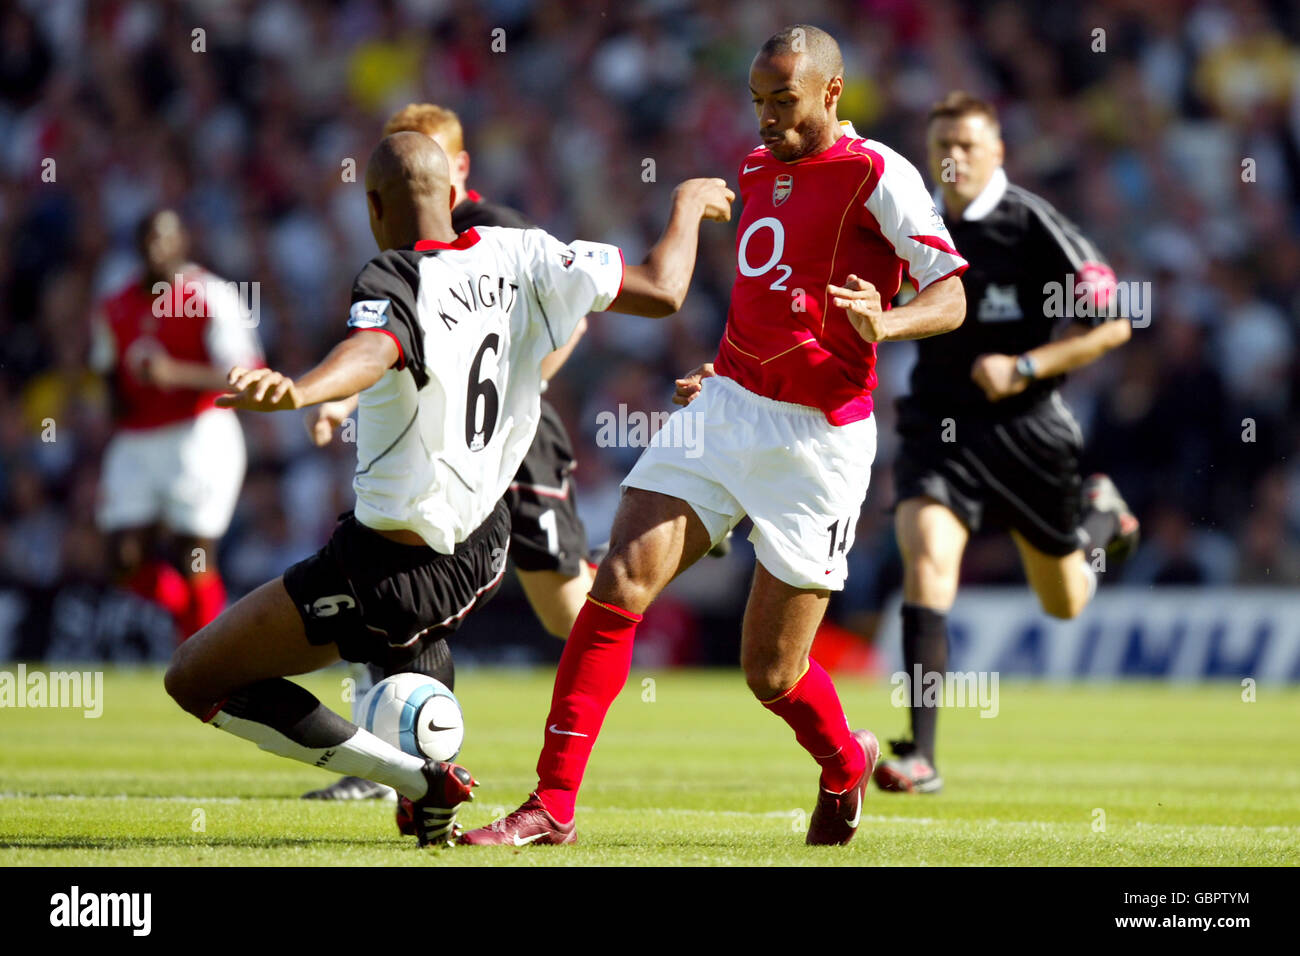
(548, 542)
(986, 438)
(446, 336)
(785, 431)
(172, 471)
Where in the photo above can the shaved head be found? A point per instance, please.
(408, 190)
(796, 80)
(408, 163)
(820, 54)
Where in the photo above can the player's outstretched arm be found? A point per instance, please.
(939, 307)
(658, 286)
(1078, 346)
(353, 365)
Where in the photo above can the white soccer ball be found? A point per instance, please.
(417, 714)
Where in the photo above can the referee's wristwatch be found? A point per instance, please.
(1026, 368)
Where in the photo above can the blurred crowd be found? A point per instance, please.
(1169, 131)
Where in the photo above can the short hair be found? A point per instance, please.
(820, 46)
(431, 120)
(959, 103)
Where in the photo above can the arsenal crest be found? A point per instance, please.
(782, 188)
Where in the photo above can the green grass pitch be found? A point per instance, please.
(689, 771)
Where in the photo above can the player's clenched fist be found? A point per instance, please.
(861, 302)
(688, 386)
(324, 419)
(712, 194)
(997, 375)
(260, 390)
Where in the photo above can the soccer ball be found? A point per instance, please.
(416, 714)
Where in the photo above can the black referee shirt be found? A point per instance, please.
(1016, 243)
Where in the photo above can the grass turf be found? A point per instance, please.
(689, 771)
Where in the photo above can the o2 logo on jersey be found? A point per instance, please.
(782, 188)
(369, 313)
(773, 260)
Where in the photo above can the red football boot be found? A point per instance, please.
(529, 824)
(836, 818)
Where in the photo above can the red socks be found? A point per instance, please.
(207, 593)
(812, 708)
(593, 669)
(192, 601)
(162, 584)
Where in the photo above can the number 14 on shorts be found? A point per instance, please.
(841, 536)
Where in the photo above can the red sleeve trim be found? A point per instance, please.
(401, 353)
(936, 242)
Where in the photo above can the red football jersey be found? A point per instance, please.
(197, 320)
(856, 208)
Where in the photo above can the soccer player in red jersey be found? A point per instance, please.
(176, 462)
(785, 435)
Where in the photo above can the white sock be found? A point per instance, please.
(361, 755)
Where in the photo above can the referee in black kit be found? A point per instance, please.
(986, 438)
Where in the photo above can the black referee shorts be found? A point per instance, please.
(381, 602)
(546, 532)
(1018, 472)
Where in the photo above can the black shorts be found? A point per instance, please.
(382, 602)
(546, 532)
(1019, 472)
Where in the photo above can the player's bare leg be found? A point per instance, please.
(655, 537)
(1064, 583)
(932, 540)
(557, 598)
(232, 672)
(777, 634)
(780, 624)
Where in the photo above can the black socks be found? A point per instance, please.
(925, 645)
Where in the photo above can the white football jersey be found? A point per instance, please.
(441, 435)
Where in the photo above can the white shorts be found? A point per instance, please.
(185, 476)
(800, 479)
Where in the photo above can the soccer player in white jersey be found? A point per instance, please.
(446, 337)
